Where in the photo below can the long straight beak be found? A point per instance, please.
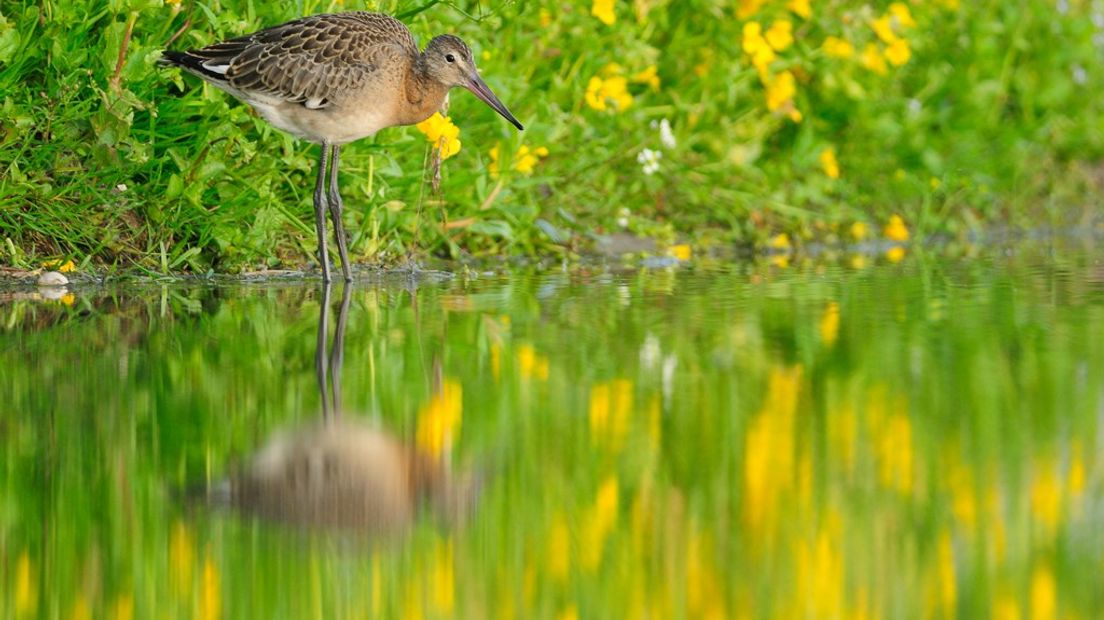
(481, 90)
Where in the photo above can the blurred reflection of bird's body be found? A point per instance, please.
(345, 473)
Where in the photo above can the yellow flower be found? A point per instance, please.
(440, 132)
(780, 90)
(648, 76)
(800, 8)
(829, 163)
(753, 37)
(781, 241)
(439, 419)
(838, 48)
(780, 35)
(57, 265)
(898, 52)
(896, 230)
(681, 252)
(756, 46)
(747, 8)
(524, 160)
(900, 12)
(872, 59)
(493, 166)
(858, 231)
(884, 29)
(895, 254)
(602, 92)
(545, 17)
(603, 10)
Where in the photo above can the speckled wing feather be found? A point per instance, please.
(308, 60)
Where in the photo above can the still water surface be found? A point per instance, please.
(906, 440)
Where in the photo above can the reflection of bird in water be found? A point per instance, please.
(344, 473)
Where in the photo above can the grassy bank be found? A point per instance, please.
(738, 121)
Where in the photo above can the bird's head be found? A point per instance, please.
(449, 61)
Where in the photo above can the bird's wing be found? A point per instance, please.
(310, 59)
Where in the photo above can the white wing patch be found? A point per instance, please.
(217, 66)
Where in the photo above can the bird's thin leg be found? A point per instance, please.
(320, 213)
(335, 213)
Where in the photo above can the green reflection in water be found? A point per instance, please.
(917, 440)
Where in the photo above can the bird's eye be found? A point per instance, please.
(450, 58)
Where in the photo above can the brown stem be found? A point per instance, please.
(121, 60)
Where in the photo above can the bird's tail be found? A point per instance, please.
(193, 63)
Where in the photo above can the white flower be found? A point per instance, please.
(649, 160)
(1080, 76)
(623, 217)
(666, 136)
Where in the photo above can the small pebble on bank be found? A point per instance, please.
(52, 278)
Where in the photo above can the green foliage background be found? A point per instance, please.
(991, 120)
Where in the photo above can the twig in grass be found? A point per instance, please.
(121, 60)
(176, 35)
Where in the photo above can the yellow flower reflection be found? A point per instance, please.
(1044, 593)
(559, 549)
(26, 594)
(531, 365)
(439, 419)
(442, 578)
(181, 559)
(210, 593)
(610, 407)
(769, 450)
(598, 524)
(829, 324)
(442, 133)
(820, 573)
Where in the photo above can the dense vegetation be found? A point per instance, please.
(765, 122)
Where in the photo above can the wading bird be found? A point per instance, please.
(335, 78)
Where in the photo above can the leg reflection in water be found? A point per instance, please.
(342, 472)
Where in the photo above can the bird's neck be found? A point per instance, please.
(424, 94)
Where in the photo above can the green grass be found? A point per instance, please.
(989, 121)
